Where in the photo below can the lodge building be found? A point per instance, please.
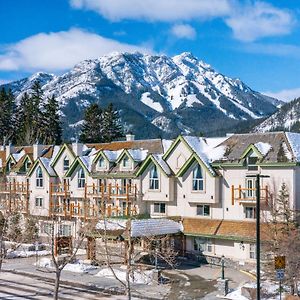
(202, 183)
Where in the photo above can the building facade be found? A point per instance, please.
(204, 183)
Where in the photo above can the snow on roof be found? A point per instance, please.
(158, 158)
(111, 155)
(207, 149)
(151, 227)
(166, 145)
(87, 161)
(17, 156)
(139, 228)
(263, 148)
(55, 151)
(138, 154)
(294, 141)
(46, 163)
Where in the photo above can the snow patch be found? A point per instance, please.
(145, 98)
(263, 148)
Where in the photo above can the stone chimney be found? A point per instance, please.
(9, 149)
(129, 137)
(77, 148)
(37, 150)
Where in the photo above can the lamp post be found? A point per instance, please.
(257, 186)
(222, 265)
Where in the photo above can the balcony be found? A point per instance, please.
(128, 192)
(60, 189)
(14, 188)
(248, 195)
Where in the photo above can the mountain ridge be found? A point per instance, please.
(163, 95)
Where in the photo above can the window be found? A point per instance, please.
(39, 202)
(39, 177)
(101, 162)
(250, 192)
(66, 164)
(197, 179)
(65, 230)
(102, 184)
(250, 213)
(47, 228)
(159, 208)
(154, 181)
(251, 162)
(202, 244)
(252, 251)
(126, 162)
(27, 165)
(81, 178)
(203, 210)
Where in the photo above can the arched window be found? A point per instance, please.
(39, 177)
(101, 162)
(154, 180)
(126, 162)
(198, 183)
(81, 178)
(66, 164)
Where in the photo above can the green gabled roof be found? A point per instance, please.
(146, 163)
(22, 162)
(254, 149)
(74, 165)
(174, 144)
(38, 161)
(10, 157)
(189, 162)
(60, 152)
(100, 153)
(125, 151)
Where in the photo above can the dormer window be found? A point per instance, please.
(27, 165)
(154, 180)
(66, 164)
(198, 182)
(102, 162)
(81, 178)
(251, 163)
(39, 177)
(126, 162)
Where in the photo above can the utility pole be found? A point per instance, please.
(257, 185)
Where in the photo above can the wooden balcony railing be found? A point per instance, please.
(14, 188)
(60, 189)
(247, 195)
(14, 205)
(89, 211)
(127, 192)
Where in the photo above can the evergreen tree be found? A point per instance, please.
(112, 128)
(14, 227)
(52, 131)
(31, 230)
(92, 130)
(7, 108)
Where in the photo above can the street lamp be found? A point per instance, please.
(257, 186)
(222, 265)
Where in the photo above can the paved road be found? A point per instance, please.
(13, 286)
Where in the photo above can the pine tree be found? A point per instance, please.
(112, 128)
(31, 230)
(51, 125)
(14, 227)
(91, 131)
(7, 108)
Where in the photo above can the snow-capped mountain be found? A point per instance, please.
(286, 118)
(156, 94)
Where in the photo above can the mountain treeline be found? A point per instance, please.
(36, 118)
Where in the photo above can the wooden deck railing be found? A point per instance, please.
(248, 195)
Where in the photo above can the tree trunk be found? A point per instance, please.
(56, 286)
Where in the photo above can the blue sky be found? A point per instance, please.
(257, 41)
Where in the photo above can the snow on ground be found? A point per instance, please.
(77, 267)
(151, 103)
(24, 253)
(141, 277)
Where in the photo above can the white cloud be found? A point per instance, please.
(260, 20)
(58, 51)
(155, 10)
(284, 95)
(184, 31)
